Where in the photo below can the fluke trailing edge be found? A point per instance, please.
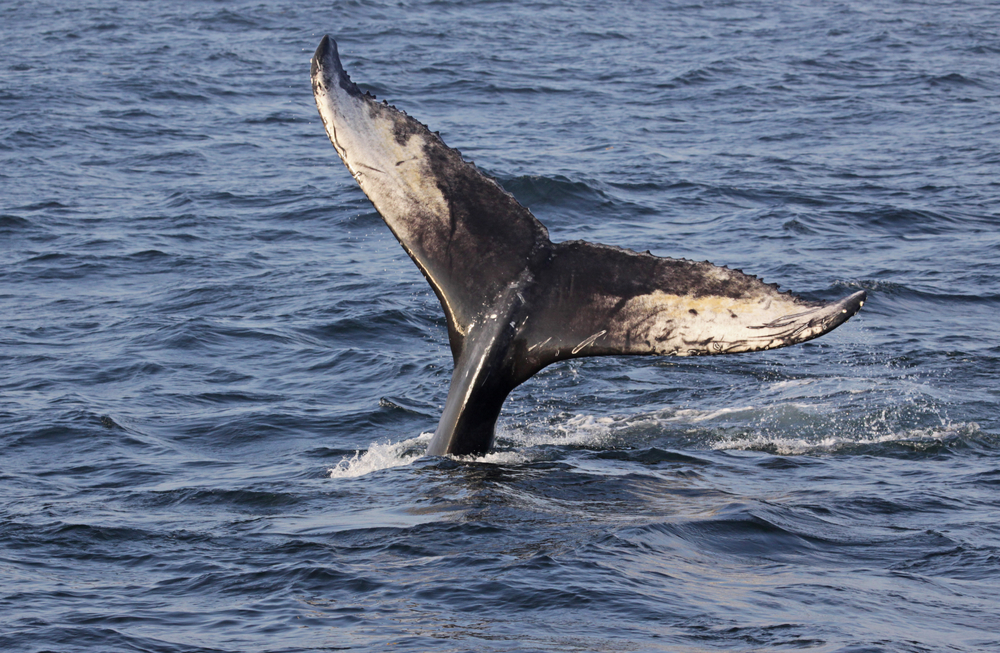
(514, 300)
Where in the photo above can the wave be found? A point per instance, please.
(557, 190)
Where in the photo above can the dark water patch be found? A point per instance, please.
(228, 20)
(787, 463)
(387, 324)
(749, 197)
(83, 637)
(178, 199)
(12, 224)
(26, 140)
(903, 221)
(49, 205)
(653, 456)
(331, 453)
(885, 508)
(798, 227)
(148, 256)
(187, 222)
(109, 423)
(987, 478)
(229, 424)
(897, 290)
(747, 536)
(714, 72)
(71, 266)
(186, 335)
(387, 421)
(74, 540)
(962, 562)
(320, 212)
(209, 298)
(129, 113)
(171, 96)
(787, 136)
(179, 158)
(952, 79)
(250, 501)
(231, 398)
(127, 373)
(397, 404)
(556, 191)
(65, 422)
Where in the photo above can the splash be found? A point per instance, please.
(516, 445)
(564, 430)
(386, 455)
(381, 455)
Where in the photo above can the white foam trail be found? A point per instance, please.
(694, 416)
(579, 430)
(519, 444)
(386, 455)
(500, 458)
(798, 446)
(381, 455)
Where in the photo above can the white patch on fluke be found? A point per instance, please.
(682, 325)
(393, 174)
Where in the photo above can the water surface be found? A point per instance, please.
(219, 371)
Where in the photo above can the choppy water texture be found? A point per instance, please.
(218, 370)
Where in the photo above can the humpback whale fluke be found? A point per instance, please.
(514, 300)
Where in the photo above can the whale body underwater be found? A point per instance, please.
(514, 300)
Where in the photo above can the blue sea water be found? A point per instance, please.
(219, 371)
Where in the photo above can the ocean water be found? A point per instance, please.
(219, 371)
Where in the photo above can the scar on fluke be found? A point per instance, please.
(515, 301)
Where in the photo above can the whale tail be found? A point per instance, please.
(515, 301)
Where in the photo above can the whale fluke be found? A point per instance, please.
(514, 300)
